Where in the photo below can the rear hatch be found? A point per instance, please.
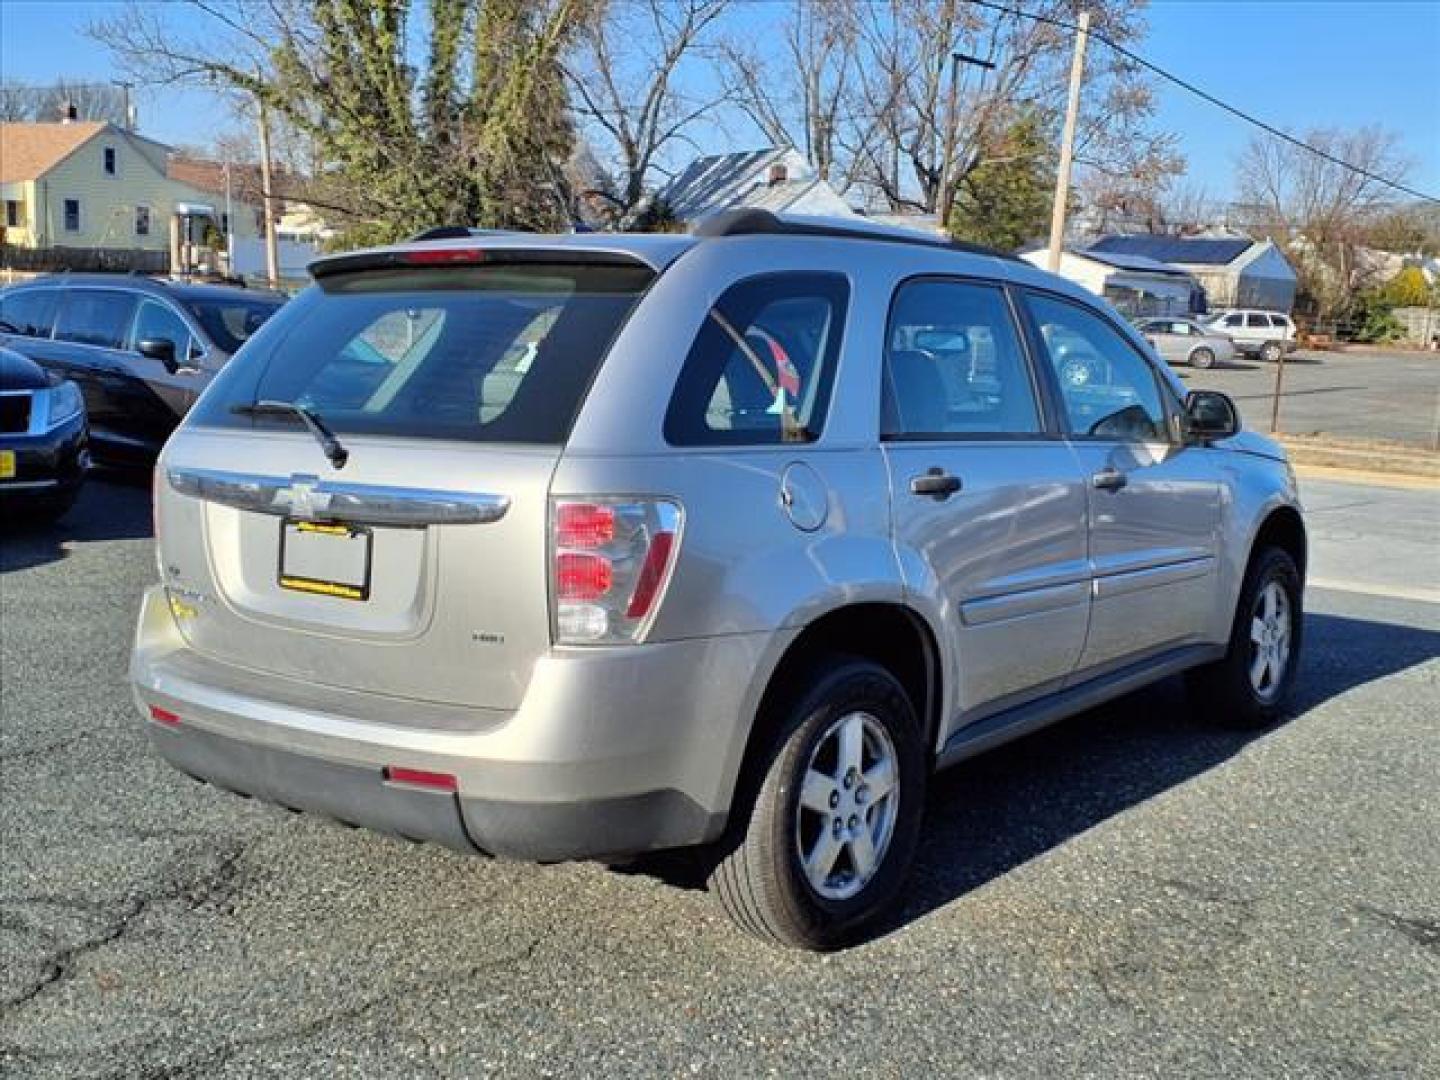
(413, 561)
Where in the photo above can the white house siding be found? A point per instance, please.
(108, 202)
(1172, 295)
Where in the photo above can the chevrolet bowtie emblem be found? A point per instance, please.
(304, 497)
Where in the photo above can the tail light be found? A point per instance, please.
(610, 564)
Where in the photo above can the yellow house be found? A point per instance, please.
(78, 184)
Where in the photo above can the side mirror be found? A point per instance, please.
(162, 349)
(1210, 415)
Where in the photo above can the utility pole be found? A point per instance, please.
(272, 249)
(1067, 146)
(229, 224)
(943, 197)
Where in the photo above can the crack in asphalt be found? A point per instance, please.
(1424, 932)
(221, 882)
(24, 753)
(216, 1057)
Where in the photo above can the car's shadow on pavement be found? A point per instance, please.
(113, 505)
(1000, 810)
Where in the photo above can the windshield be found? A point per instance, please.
(229, 323)
(493, 353)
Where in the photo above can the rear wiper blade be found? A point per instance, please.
(337, 454)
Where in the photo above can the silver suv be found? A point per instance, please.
(587, 546)
(1266, 334)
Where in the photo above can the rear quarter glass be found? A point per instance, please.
(495, 353)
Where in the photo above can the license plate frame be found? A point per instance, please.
(7, 465)
(306, 542)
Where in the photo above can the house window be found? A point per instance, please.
(72, 215)
(142, 221)
(109, 161)
(225, 224)
(12, 213)
(260, 222)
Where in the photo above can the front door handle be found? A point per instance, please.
(1109, 480)
(936, 483)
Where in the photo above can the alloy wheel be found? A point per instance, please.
(1270, 633)
(847, 806)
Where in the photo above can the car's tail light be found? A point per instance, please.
(611, 561)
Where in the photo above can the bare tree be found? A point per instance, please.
(801, 95)
(51, 102)
(1318, 210)
(931, 120)
(627, 74)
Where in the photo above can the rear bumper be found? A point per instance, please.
(613, 752)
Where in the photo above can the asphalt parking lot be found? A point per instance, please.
(1131, 893)
(1356, 394)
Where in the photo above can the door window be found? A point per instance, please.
(761, 366)
(159, 322)
(1108, 388)
(29, 311)
(95, 317)
(954, 364)
(1234, 320)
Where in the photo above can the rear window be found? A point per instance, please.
(761, 367)
(229, 323)
(492, 353)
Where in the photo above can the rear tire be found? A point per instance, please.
(1271, 352)
(1248, 686)
(823, 848)
(1202, 358)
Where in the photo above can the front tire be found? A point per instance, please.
(824, 848)
(1248, 686)
(1202, 358)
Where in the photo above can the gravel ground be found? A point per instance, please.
(1131, 893)
(1371, 394)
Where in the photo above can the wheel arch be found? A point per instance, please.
(891, 634)
(1282, 527)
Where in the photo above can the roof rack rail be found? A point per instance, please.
(442, 232)
(755, 222)
(457, 232)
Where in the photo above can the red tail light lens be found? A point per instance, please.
(584, 525)
(652, 576)
(583, 577)
(612, 560)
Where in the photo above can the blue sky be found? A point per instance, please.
(1295, 63)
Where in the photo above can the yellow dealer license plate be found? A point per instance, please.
(7, 464)
(325, 559)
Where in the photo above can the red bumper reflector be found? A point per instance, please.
(439, 781)
(164, 716)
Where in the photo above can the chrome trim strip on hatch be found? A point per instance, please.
(364, 504)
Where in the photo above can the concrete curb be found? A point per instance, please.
(1370, 458)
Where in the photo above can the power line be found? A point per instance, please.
(1211, 98)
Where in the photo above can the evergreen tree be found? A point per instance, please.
(1005, 200)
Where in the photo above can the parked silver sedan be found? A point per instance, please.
(1182, 341)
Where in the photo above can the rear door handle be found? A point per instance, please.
(1109, 480)
(936, 483)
